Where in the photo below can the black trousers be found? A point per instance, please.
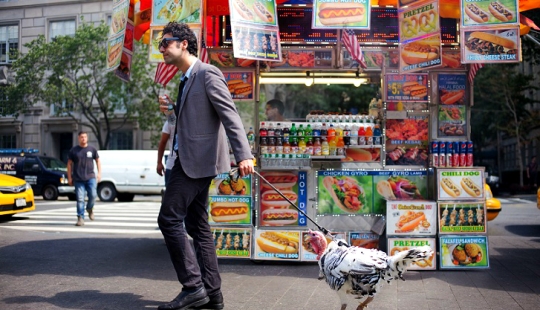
(185, 202)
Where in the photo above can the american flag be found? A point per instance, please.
(165, 73)
(351, 44)
(203, 55)
(473, 70)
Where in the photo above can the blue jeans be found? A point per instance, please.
(81, 188)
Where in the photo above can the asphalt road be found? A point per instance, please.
(47, 263)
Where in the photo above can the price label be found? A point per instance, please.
(395, 88)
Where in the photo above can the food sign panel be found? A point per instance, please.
(256, 43)
(460, 184)
(407, 141)
(366, 240)
(406, 87)
(186, 11)
(396, 245)
(277, 245)
(420, 54)
(460, 217)
(419, 21)
(338, 14)
(344, 192)
(307, 253)
(261, 12)
(491, 46)
(464, 252)
(411, 218)
(488, 12)
(232, 242)
(452, 112)
(398, 185)
(230, 200)
(276, 210)
(240, 85)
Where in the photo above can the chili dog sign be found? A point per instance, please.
(411, 218)
(332, 14)
(463, 184)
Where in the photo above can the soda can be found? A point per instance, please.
(470, 153)
(442, 154)
(455, 154)
(434, 154)
(449, 151)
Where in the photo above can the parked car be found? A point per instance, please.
(128, 173)
(15, 196)
(46, 175)
(493, 205)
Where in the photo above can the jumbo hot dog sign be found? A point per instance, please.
(460, 184)
(411, 218)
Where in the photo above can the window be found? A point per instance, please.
(8, 141)
(121, 140)
(9, 42)
(29, 164)
(61, 28)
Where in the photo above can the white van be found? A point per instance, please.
(129, 173)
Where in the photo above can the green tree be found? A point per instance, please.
(69, 74)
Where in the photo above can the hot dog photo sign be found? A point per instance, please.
(277, 245)
(411, 218)
(352, 14)
(488, 12)
(454, 184)
(276, 210)
(230, 200)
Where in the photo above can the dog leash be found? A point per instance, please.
(234, 175)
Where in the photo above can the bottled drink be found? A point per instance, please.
(294, 145)
(325, 148)
(286, 132)
(279, 145)
(316, 130)
(339, 130)
(300, 133)
(309, 146)
(271, 145)
(309, 131)
(271, 130)
(251, 138)
(293, 130)
(340, 146)
(286, 146)
(278, 132)
(332, 147)
(301, 145)
(354, 133)
(324, 131)
(317, 147)
(369, 135)
(264, 146)
(347, 135)
(331, 133)
(377, 134)
(362, 133)
(263, 132)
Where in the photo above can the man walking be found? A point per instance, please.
(206, 115)
(532, 172)
(81, 174)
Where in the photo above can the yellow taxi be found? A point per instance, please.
(493, 205)
(15, 195)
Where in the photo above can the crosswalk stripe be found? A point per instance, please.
(84, 229)
(87, 223)
(98, 217)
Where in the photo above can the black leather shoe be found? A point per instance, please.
(186, 300)
(216, 302)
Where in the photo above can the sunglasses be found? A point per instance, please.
(165, 41)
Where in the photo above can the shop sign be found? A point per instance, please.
(489, 12)
(255, 12)
(406, 87)
(114, 51)
(155, 37)
(374, 59)
(452, 111)
(463, 184)
(451, 59)
(396, 245)
(418, 21)
(407, 141)
(165, 11)
(462, 217)
(304, 58)
(464, 252)
(307, 254)
(481, 45)
(280, 245)
(338, 14)
(411, 218)
(232, 242)
(276, 211)
(365, 239)
(422, 54)
(230, 200)
(256, 43)
(240, 85)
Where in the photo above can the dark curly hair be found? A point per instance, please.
(183, 32)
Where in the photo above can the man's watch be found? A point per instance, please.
(170, 107)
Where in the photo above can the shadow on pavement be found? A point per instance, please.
(524, 230)
(90, 299)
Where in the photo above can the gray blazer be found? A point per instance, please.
(207, 115)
